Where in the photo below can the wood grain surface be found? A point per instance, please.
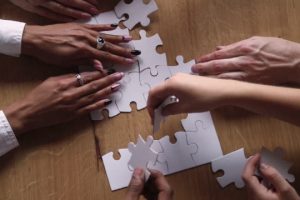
(60, 162)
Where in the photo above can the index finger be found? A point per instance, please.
(156, 96)
(162, 185)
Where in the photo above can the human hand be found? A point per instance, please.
(157, 186)
(61, 99)
(75, 44)
(60, 10)
(281, 189)
(258, 59)
(195, 94)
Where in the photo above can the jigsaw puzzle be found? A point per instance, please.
(182, 67)
(232, 165)
(149, 57)
(137, 12)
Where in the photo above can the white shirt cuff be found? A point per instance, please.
(11, 33)
(8, 140)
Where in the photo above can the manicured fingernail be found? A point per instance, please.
(115, 87)
(195, 69)
(115, 25)
(111, 71)
(94, 11)
(136, 52)
(119, 75)
(107, 102)
(130, 61)
(127, 38)
(86, 15)
(263, 166)
(99, 66)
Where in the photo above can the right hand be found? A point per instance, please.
(281, 190)
(60, 10)
(74, 44)
(157, 186)
(195, 93)
(61, 99)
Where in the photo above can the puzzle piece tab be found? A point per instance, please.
(182, 67)
(233, 166)
(149, 57)
(137, 12)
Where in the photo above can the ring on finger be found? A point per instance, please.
(100, 43)
(80, 80)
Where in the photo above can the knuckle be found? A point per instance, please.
(245, 48)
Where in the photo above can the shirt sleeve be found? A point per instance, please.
(11, 33)
(8, 140)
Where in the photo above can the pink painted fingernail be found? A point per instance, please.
(127, 38)
(94, 11)
(138, 173)
(86, 15)
(115, 87)
(119, 75)
(99, 66)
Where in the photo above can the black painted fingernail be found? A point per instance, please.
(115, 25)
(136, 52)
(108, 102)
(111, 71)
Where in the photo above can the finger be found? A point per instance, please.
(162, 185)
(67, 11)
(174, 109)
(100, 95)
(136, 185)
(216, 67)
(118, 50)
(96, 106)
(97, 54)
(113, 38)
(229, 51)
(81, 5)
(240, 76)
(249, 173)
(99, 27)
(156, 96)
(94, 2)
(273, 176)
(88, 77)
(96, 85)
(44, 12)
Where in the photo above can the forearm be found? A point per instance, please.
(279, 102)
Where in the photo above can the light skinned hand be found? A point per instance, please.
(60, 10)
(195, 93)
(258, 59)
(61, 99)
(157, 186)
(281, 189)
(73, 44)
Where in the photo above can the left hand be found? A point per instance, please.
(60, 10)
(281, 190)
(74, 44)
(258, 59)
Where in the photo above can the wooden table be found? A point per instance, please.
(60, 162)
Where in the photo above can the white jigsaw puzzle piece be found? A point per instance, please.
(179, 155)
(108, 17)
(275, 159)
(132, 91)
(182, 67)
(142, 154)
(232, 165)
(157, 165)
(117, 171)
(206, 139)
(137, 12)
(149, 57)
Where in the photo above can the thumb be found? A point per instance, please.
(136, 185)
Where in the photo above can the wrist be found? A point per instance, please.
(29, 40)
(16, 117)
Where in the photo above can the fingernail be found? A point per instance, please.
(111, 71)
(99, 66)
(115, 87)
(119, 75)
(136, 52)
(127, 38)
(86, 15)
(107, 102)
(137, 173)
(94, 11)
(263, 166)
(128, 60)
(195, 69)
(115, 25)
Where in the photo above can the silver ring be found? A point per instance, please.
(100, 43)
(80, 79)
